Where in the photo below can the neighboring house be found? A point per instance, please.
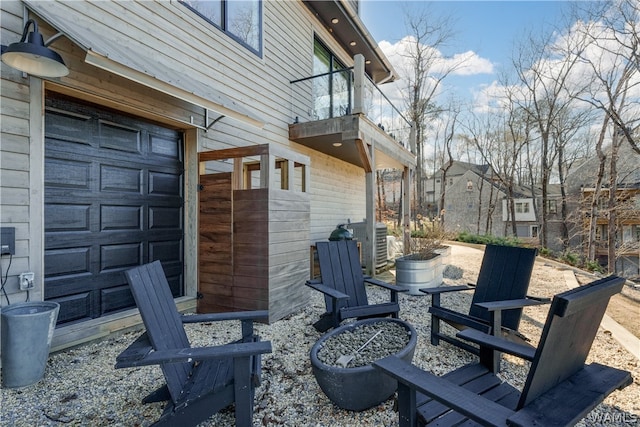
(477, 204)
(473, 203)
(194, 135)
(433, 185)
(581, 185)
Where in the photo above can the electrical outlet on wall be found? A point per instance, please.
(26, 281)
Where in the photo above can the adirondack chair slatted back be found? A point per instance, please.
(340, 269)
(571, 327)
(504, 275)
(161, 319)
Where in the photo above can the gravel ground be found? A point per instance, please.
(81, 387)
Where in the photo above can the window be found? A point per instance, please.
(534, 231)
(332, 91)
(627, 234)
(522, 207)
(552, 207)
(241, 19)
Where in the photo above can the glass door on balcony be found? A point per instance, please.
(332, 90)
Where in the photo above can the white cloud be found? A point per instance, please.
(463, 64)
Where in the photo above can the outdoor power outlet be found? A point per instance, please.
(26, 281)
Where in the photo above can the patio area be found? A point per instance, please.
(81, 386)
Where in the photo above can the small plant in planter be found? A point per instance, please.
(423, 265)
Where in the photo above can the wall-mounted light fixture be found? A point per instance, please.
(32, 56)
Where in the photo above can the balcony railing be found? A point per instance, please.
(344, 92)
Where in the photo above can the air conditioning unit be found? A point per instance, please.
(360, 232)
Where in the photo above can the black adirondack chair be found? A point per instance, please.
(343, 285)
(499, 296)
(199, 381)
(559, 390)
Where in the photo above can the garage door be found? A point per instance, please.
(113, 200)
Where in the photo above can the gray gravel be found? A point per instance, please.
(387, 338)
(81, 387)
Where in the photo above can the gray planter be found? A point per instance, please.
(417, 273)
(27, 331)
(359, 388)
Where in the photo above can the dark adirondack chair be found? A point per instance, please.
(199, 381)
(499, 296)
(559, 390)
(343, 286)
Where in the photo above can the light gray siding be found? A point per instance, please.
(175, 39)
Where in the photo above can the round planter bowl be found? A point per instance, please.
(359, 388)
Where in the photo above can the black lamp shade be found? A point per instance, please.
(33, 57)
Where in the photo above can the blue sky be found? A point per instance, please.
(487, 28)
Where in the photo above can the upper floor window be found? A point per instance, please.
(552, 207)
(522, 207)
(332, 89)
(241, 19)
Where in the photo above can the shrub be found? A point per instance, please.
(546, 252)
(594, 266)
(570, 258)
(487, 239)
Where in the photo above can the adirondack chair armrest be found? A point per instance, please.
(443, 289)
(523, 351)
(509, 304)
(392, 288)
(414, 379)
(588, 387)
(541, 299)
(318, 286)
(234, 315)
(187, 355)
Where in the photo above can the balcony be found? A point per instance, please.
(345, 115)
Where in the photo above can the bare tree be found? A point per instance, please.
(449, 133)
(612, 60)
(426, 70)
(613, 29)
(500, 139)
(544, 70)
(564, 131)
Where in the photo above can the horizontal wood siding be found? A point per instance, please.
(15, 162)
(335, 201)
(271, 240)
(289, 220)
(175, 37)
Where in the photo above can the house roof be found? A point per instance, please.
(459, 168)
(124, 53)
(628, 169)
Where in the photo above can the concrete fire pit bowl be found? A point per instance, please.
(357, 388)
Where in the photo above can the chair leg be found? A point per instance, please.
(160, 395)
(324, 323)
(243, 391)
(435, 321)
(407, 409)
